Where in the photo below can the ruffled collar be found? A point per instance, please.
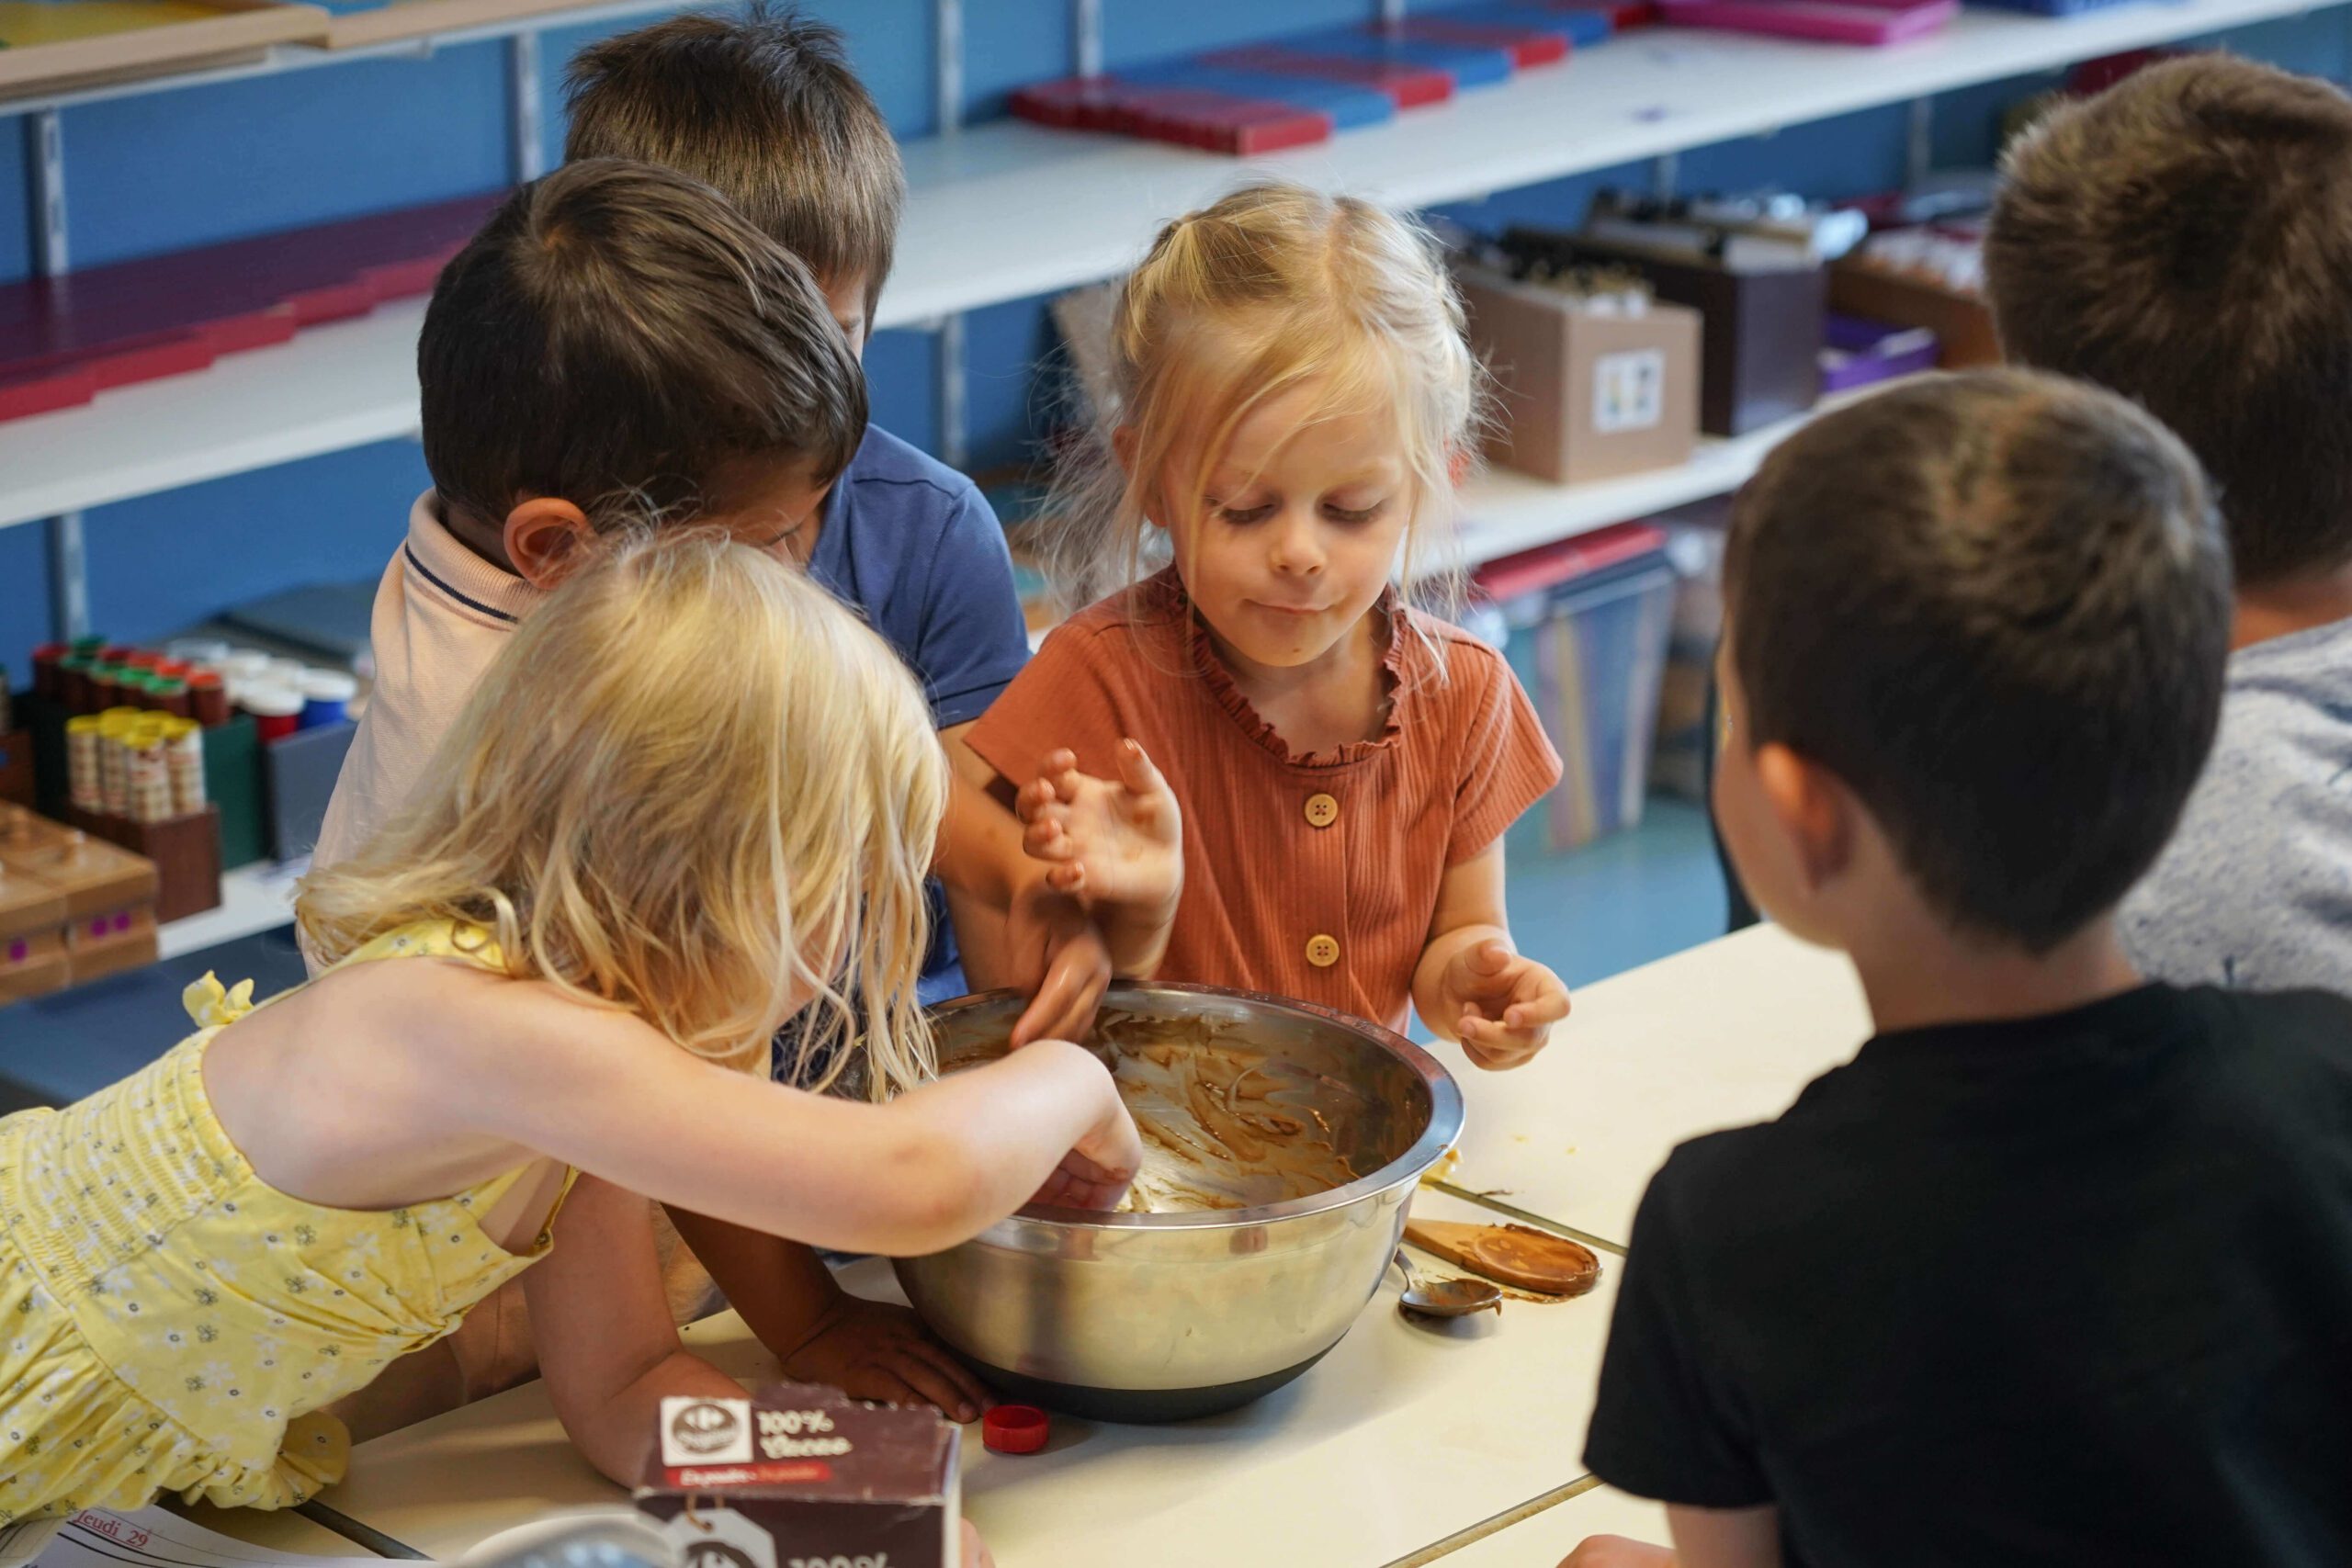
(1165, 600)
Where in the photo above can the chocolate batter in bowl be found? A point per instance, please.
(1282, 1143)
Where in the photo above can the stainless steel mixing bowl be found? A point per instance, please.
(1156, 1317)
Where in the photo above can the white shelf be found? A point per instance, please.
(1008, 210)
(253, 899)
(1506, 512)
(1011, 210)
(330, 389)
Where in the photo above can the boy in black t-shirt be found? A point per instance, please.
(2058, 1269)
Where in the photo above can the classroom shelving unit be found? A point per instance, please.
(1010, 210)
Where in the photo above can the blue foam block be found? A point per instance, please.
(1469, 66)
(1583, 25)
(1348, 106)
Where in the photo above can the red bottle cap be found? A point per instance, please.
(1015, 1429)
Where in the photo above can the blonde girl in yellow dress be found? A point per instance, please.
(693, 796)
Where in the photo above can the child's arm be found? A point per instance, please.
(601, 1325)
(821, 1333)
(605, 1091)
(1012, 928)
(1618, 1551)
(1725, 1537)
(1471, 984)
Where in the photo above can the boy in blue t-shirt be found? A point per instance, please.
(763, 108)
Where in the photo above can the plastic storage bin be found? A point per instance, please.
(1585, 627)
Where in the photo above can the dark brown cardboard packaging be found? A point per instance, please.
(802, 1477)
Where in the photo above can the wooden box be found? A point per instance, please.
(351, 27)
(17, 781)
(55, 47)
(32, 936)
(1584, 395)
(1963, 322)
(184, 853)
(187, 852)
(107, 896)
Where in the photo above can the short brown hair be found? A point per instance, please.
(763, 108)
(2186, 239)
(1997, 606)
(618, 335)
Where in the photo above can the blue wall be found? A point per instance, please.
(191, 166)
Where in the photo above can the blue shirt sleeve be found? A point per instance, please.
(974, 640)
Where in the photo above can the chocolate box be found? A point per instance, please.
(803, 1477)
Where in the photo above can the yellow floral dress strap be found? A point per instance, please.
(211, 1005)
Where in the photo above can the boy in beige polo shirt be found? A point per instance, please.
(618, 346)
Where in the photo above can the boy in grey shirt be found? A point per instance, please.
(2186, 239)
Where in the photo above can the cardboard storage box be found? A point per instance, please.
(1760, 353)
(1585, 394)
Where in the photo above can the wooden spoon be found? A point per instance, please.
(1510, 1254)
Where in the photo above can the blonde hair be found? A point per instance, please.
(690, 786)
(1274, 287)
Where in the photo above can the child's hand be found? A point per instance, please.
(976, 1551)
(1049, 937)
(1504, 1005)
(1097, 1173)
(1119, 844)
(877, 1350)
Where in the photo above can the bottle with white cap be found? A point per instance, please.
(326, 697)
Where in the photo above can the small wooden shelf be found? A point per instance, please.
(398, 19)
(55, 47)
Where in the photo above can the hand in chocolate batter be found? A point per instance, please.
(877, 1350)
(1097, 1173)
(1117, 844)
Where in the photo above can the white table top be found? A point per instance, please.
(1724, 1035)
(1543, 1541)
(278, 1530)
(1402, 1436)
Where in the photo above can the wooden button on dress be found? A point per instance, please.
(1322, 811)
(1322, 950)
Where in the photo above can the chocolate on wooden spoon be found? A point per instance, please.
(1510, 1254)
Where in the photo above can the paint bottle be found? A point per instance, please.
(115, 726)
(278, 712)
(49, 680)
(208, 652)
(169, 694)
(208, 698)
(326, 698)
(73, 683)
(244, 664)
(183, 756)
(288, 672)
(82, 742)
(147, 753)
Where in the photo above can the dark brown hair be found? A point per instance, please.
(2186, 239)
(764, 108)
(618, 336)
(1997, 606)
